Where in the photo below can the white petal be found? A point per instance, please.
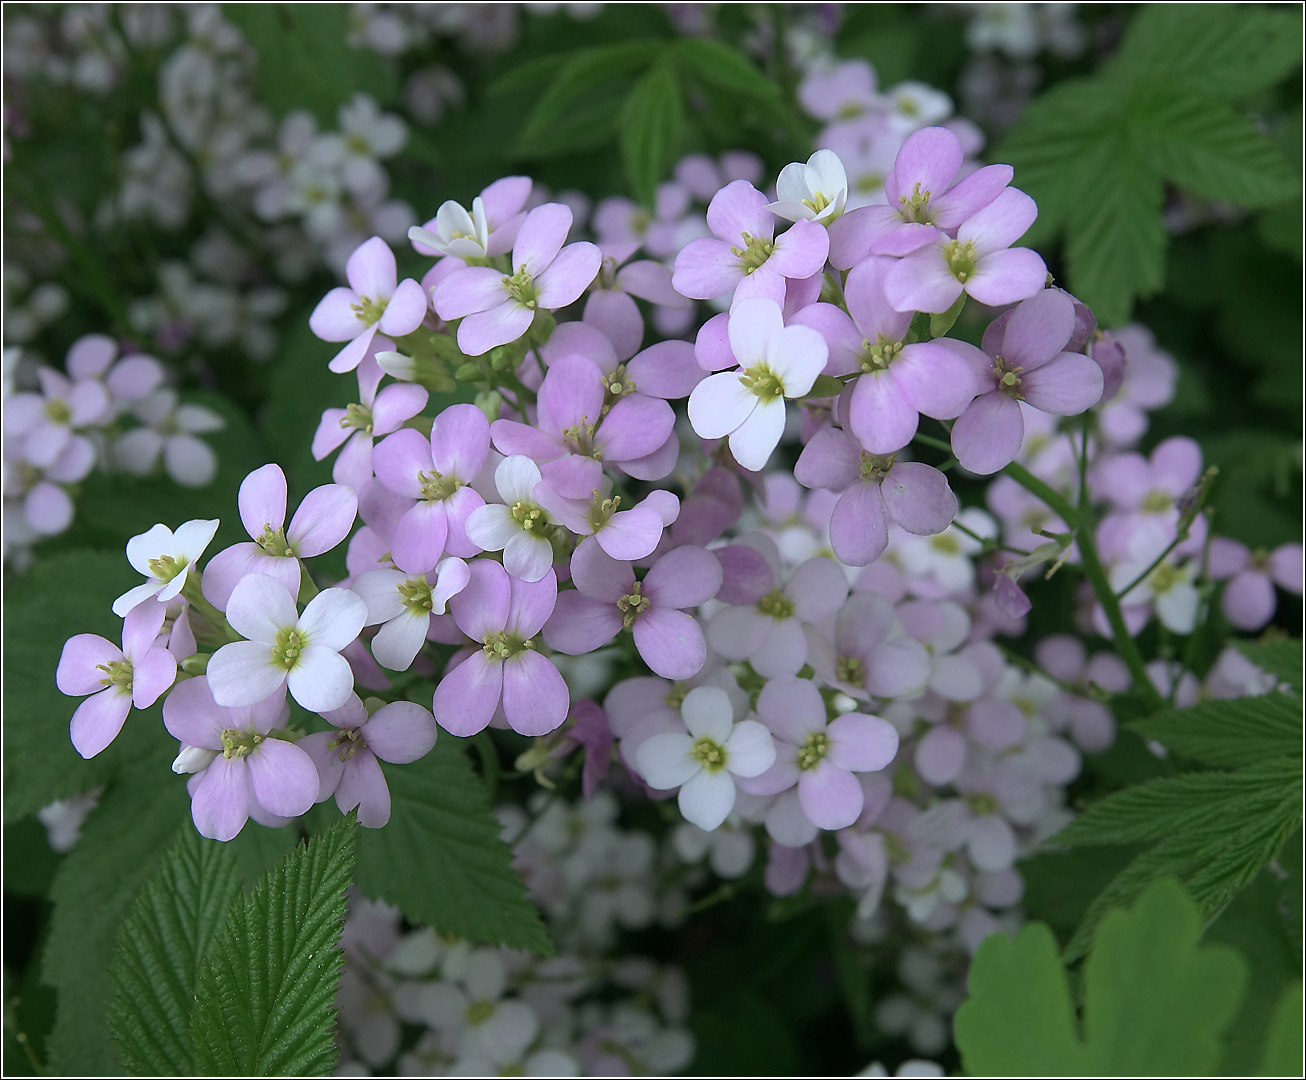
(707, 799)
(664, 760)
(516, 478)
(750, 750)
(260, 606)
(708, 713)
(719, 404)
(399, 641)
(491, 526)
(753, 442)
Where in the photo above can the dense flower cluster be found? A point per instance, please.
(790, 624)
(104, 410)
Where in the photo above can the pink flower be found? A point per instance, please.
(436, 473)
(242, 770)
(1027, 364)
(375, 414)
(504, 614)
(322, 521)
(821, 759)
(496, 308)
(745, 259)
(980, 262)
(347, 759)
(607, 599)
(1248, 600)
(137, 674)
(373, 302)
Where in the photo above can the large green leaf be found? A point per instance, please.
(1283, 1050)
(1281, 658)
(1096, 152)
(160, 945)
(1156, 1002)
(266, 986)
(440, 859)
(122, 844)
(651, 123)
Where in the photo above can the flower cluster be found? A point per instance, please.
(103, 410)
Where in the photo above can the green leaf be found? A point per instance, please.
(650, 131)
(1283, 1048)
(1228, 51)
(580, 107)
(1018, 1019)
(1233, 732)
(1209, 150)
(160, 945)
(122, 844)
(726, 68)
(1155, 1001)
(266, 986)
(1115, 244)
(1282, 659)
(61, 595)
(305, 61)
(440, 858)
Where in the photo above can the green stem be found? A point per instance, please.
(1082, 524)
(193, 596)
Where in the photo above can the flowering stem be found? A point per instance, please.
(1081, 524)
(193, 596)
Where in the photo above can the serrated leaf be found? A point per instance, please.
(650, 131)
(1230, 733)
(1115, 244)
(122, 844)
(1282, 659)
(1283, 1047)
(1207, 149)
(264, 998)
(1194, 802)
(160, 945)
(440, 858)
(1214, 864)
(1228, 51)
(1155, 1001)
(582, 90)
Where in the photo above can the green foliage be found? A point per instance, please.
(305, 61)
(160, 946)
(122, 844)
(64, 594)
(1281, 657)
(1283, 1049)
(650, 130)
(440, 859)
(1213, 829)
(1155, 1002)
(263, 1003)
(1096, 152)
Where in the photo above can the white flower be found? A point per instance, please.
(405, 604)
(518, 526)
(285, 647)
(817, 191)
(165, 558)
(1170, 589)
(458, 233)
(703, 761)
(747, 404)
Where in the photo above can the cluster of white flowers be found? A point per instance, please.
(499, 1012)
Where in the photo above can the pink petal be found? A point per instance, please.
(98, 720)
(882, 417)
(405, 310)
(792, 708)
(706, 269)
(323, 520)
(617, 315)
(220, 802)
(859, 532)
(262, 500)
(1066, 386)
(918, 498)
(666, 370)
(580, 625)
(482, 331)
(568, 276)
(1007, 276)
(535, 697)
(831, 797)
(935, 379)
(467, 291)
(531, 605)
(334, 318)
(987, 436)
(468, 696)
(683, 578)
(1038, 329)
(922, 282)
(371, 270)
(283, 778)
(362, 785)
(419, 537)
(78, 673)
(541, 237)
(670, 642)
(861, 743)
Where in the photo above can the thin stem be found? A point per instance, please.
(1082, 525)
(930, 440)
(1152, 566)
